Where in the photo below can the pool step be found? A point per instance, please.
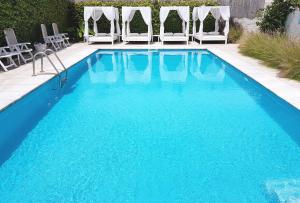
(284, 191)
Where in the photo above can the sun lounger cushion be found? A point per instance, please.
(169, 34)
(178, 34)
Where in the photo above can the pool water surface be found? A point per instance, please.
(154, 126)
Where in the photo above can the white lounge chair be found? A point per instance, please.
(55, 41)
(62, 35)
(112, 14)
(25, 53)
(5, 54)
(127, 16)
(200, 13)
(184, 14)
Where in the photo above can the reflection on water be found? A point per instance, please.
(207, 68)
(105, 69)
(173, 66)
(140, 66)
(137, 67)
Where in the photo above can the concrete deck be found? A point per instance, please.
(18, 82)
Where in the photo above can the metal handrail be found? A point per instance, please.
(45, 53)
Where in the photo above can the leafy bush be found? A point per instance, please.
(25, 17)
(277, 51)
(137, 25)
(275, 15)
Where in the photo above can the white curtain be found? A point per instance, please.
(184, 13)
(163, 14)
(129, 20)
(117, 21)
(146, 14)
(195, 18)
(109, 13)
(97, 13)
(126, 11)
(216, 14)
(202, 13)
(225, 13)
(88, 11)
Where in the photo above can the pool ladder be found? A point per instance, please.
(41, 54)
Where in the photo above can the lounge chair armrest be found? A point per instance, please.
(24, 45)
(60, 35)
(50, 37)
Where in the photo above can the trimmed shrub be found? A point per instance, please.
(173, 22)
(25, 17)
(277, 51)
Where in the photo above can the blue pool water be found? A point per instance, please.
(148, 126)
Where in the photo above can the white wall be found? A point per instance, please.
(293, 24)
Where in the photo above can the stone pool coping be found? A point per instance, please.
(18, 82)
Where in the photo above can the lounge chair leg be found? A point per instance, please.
(3, 66)
(19, 61)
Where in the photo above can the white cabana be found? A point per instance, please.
(184, 14)
(177, 70)
(127, 16)
(137, 67)
(200, 13)
(111, 13)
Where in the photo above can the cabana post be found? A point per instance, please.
(112, 14)
(184, 14)
(127, 16)
(200, 13)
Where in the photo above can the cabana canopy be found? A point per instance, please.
(184, 14)
(111, 13)
(200, 13)
(127, 16)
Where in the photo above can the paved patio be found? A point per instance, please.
(18, 82)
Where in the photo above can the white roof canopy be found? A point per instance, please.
(127, 16)
(184, 14)
(200, 13)
(95, 12)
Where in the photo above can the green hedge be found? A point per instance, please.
(173, 22)
(25, 17)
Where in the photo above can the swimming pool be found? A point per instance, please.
(148, 126)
